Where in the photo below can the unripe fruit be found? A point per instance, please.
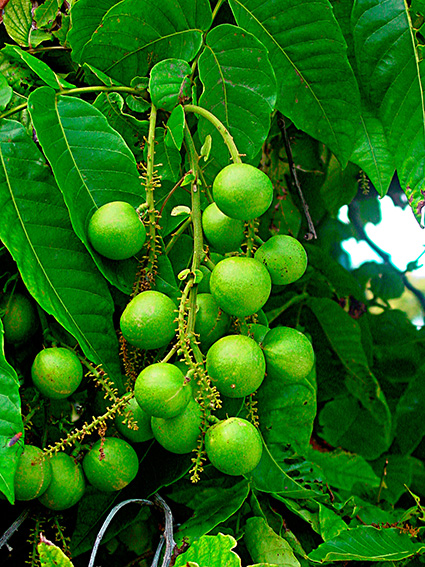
(67, 485)
(57, 372)
(223, 233)
(114, 467)
(211, 321)
(289, 354)
(19, 318)
(160, 390)
(240, 286)
(236, 365)
(234, 446)
(116, 231)
(148, 321)
(33, 474)
(179, 434)
(242, 191)
(284, 257)
(140, 418)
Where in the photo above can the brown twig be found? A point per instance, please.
(294, 178)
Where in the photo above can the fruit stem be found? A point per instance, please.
(176, 235)
(150, 186)
(14, 110)
(101, 88)
(274, 314)
(228, 140)
(216, 9)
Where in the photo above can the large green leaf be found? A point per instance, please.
(92, 165)
(239, 88)
(317, 89)
(410, 414)
(267, 546)
(5, 92)
(54, 265)
(340, 186)
(136, 34)
(169, 83)
(10, 423)
(45, 14)
(392, 79)
(211, 551)
(367, 543)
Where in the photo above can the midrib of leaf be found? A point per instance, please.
(295, 68)
(224, 84)
(371, 147)
(131, 53)
(36, 255)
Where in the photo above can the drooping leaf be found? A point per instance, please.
(340, 186)
(55, 267)
(392, 79)
(169, 83)
(10, 423)
(239, 88)
(86, 16)
(214, 551)
(367, 543)
(410, 415)
(175, 129)
(267, 546)
(136, 34)
(317, 89)
(38, 67)
(46, 13)
(92, 165)
(5, 92)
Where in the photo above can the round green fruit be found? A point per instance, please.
(289, 354)
(222, 233)
(140, 418)
(236, 366)
(67, 485)
(240, 286)
(111, 465)
(33, 474)
(160, 390)
(148, 321)
(179, 434)
(116, 231)
(211, 322)
(19, 318)
(241, 191)
(57, 372)
(284, 257)
(234, 446)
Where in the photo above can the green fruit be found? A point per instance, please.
(179, 434)
(33, 474)
(111, 465)
(67, 485)
(222, 233)
(160, 390)
(240, 286)
(234, 446)
(236, 366)
(140, 418)
(241, 191)
(148, 321)
(289, 354)
(211, 322)
(284, 257)
(57, 372)
(116, 231)
(19, 318)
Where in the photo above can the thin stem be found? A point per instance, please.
(176, 235)
(150, 186)
(176, 186)
(217, 8)
(101, 88)
(274, 314)
(225, 134)
(51, 48)
(14, 110)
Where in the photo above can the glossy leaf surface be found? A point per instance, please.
(267, 546)
(169, 83)
(214, 551)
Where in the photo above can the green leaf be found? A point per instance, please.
(230, 60)
(287, 411)
(175, 129)
(343, 470)
(92, 165)
(46, 13)
(52, 556)
(136, 34)
(330, 523)
(5, 92)
(167, 159)
(19, 77)
(317, 89)
(132, 130)
(17, 20)
(396, 471)
(384, 281)
(265, 545)
(86, 16)
(169, 83)
(410, 415)
(211, 551)
(391, 77)
(103, 79)
(55, 267)
(340, 186)
(366, 543)
(38, 67)
(215, 508)
(10, 423)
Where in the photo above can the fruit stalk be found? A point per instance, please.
(150, 184)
